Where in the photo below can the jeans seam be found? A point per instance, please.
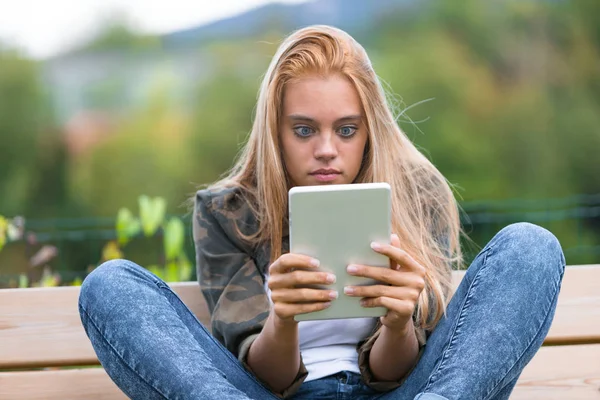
(460, 319)
(464, 306)
(224, 350)
(91, 320)
(555, 296)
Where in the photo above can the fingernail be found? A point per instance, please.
(314, 262)
(375, 246)
(352, 269)
(349, 290)
(395, 236)
(330, 278)
(333, 294)
(363, 303)
(326, 304)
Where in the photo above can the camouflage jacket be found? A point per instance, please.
(231, 275)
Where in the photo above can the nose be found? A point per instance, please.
(326, 148)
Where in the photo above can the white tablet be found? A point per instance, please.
(336, 225)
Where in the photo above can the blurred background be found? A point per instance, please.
(106, 132)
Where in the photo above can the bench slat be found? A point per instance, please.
(577, 318)
(40, 327)
(88, 383)
(561, 372)
(555, 373)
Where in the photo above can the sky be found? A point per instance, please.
(42, 28)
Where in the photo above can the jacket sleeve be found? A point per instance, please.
(229, 279)
(364, 348)
(440, 236)
(364, 351)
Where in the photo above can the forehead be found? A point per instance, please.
(321, 98)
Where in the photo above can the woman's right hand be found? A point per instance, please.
(288, 277)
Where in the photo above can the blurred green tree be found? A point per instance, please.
(117, 31)
(24, 120)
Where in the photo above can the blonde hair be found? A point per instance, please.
(425, 212)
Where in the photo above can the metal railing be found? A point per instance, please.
(575, 220)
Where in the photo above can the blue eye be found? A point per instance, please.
(347, 131)
(303, 131)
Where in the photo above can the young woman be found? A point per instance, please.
(322, 118)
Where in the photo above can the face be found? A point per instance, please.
(322, 131)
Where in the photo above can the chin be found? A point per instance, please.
(316, 182)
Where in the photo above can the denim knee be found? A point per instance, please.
(110, 277)
(530, 246)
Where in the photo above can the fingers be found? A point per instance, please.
(303, 295)
(400, 256)
(300, 278)
(389, 276)
(375, 291)
(403, 308)
(288, 279)
(286, 310)
(290, 261)
(395, 240)
(404, 272)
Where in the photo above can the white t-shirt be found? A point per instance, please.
(329, 346)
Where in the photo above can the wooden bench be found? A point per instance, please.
(40, 330)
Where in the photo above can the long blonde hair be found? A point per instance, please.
(425, 212)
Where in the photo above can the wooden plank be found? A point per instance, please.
(40, 327)
(561, 372)
(89, 384)
(577, 318)
(555, 373)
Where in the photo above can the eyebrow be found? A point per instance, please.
(300, 117)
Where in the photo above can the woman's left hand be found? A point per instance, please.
(400, 288)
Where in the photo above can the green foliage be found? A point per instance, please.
(512, 111)
(174, 238)
(77, 282)
(148, 152)
(151, 222)
(152, 213)
(23, 281)
(508, 95)
(49, 279)
(127, 226)
(3, 226)
(23, 116)
(117, 32)
(11, 230)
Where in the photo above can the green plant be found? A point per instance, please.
(150, 222)
(11, 230)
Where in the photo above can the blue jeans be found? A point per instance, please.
(153, 347)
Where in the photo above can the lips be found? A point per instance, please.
(323, 171)
(325, 174)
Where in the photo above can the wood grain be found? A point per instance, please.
(89, 384)
(561, 372)
(40, 327)
(555, 373)
(577, 318)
